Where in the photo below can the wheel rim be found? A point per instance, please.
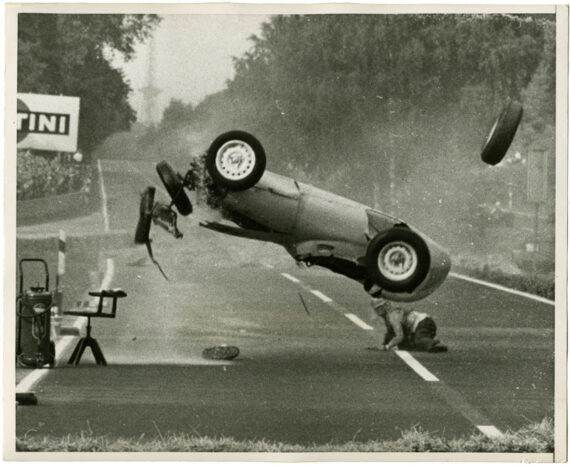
(397, 261)
(235, 160)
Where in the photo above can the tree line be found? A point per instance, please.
(382, 99)
(71, 54)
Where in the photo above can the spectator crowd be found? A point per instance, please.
(41, 176)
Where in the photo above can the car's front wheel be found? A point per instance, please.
(175, 187)
(142, 233)
(397, 260)
(236, 160)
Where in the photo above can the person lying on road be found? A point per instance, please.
(406, 329)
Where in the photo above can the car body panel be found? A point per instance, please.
(272, 203)
(320, 228)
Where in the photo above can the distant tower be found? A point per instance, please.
(150, 92)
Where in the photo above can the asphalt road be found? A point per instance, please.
(303, 375)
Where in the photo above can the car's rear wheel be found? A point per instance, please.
(236, 160)
(175, 188)
(397, 260)
(502, 133)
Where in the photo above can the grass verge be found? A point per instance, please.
(540, 285)
(534, 438)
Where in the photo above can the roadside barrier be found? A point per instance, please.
(57, 310)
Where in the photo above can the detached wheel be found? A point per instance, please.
(502, 133)
(173, 184)
(142, 233)
(397, 260)
(236, 160)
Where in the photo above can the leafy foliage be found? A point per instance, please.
(70, 55)
(392, 110)
(177, 114)
(357, 103)
(380, 73)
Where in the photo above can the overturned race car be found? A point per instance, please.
(316, 227)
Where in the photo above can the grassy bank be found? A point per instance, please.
(537, 437)
(539, 284)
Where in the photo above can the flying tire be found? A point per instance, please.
(502, 133)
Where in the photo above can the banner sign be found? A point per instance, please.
(48, 122)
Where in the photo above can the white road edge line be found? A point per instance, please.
(31, 379)
(416, 366)
(321, 296)
(358, 322)
(490, 431)
(103, 196)
(503, 288)
(290, 277)
(109, 273)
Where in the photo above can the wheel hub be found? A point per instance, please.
(235, 160)
(397, 261)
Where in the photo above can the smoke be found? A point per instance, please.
(424, 168)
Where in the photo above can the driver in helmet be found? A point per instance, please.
(406, 329)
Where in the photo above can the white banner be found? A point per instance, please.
(48, 122)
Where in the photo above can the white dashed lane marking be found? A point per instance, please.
(358, 322)
(450, 395)
(290, 278)
(321, 296)
(416, 366)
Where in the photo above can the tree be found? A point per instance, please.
(177, 114)
(71, 55)
(336, 84)
(356, 101)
